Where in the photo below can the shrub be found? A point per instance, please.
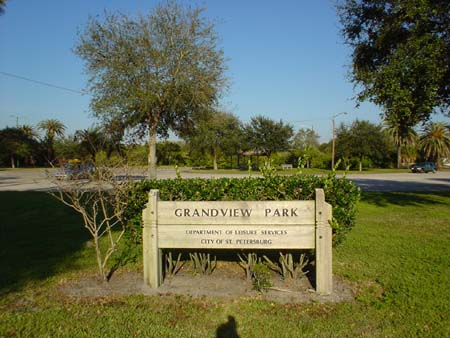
(339, 192)
(261, 277)
(287, 266)
(248, 262)
(202, 262)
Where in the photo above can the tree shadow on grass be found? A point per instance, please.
(440, 179)
(39, 237)
(430, 184)
(384, 199)
(7, 178)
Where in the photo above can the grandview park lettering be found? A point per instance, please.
(281, 212)
(237, 225)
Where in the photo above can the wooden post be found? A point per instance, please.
(152, 254)
(324, 281)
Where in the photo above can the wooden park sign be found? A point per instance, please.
(237, 225)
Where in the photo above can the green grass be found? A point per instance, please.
(396, 259)
(39, 238)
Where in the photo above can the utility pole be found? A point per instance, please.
(17, 119)
(333, 119)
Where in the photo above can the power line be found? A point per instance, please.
(41, 83)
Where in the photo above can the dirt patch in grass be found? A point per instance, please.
(225, 282)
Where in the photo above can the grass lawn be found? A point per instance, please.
(396, 259)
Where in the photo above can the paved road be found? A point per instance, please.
(36, 180)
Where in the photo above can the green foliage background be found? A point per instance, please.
(342, 194)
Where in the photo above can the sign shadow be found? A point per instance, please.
(228, 329)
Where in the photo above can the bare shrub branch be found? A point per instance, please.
(100, 196)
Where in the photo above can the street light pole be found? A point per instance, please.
(334, 137)
(17, 119)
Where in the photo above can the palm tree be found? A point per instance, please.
(52, 128)
(402, 134)
(91, 140)
(113, 132)
(435, 141)
(29, 131)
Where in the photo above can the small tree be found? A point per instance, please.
(154, 72)
(305, 138)
(268, 136)
(16, 146)
(67, 147)
(216, 133)
(362, 140)
(169, 153)
(305, 144)
(100, 198)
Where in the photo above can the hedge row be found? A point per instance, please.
(339, 192)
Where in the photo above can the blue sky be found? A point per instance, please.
(286, 60)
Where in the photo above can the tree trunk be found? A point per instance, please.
(399, 155)
(152, 153)
(98, 255)
(215, 159)
(13, 165)
(360, 164)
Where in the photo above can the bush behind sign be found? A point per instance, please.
(342, 194)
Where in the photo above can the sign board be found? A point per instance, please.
(237, 225)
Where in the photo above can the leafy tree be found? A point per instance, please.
(67, 147)
(305, 138)
(435, 141)
(137, 154)
(267, 136)
(217, 133)
(153, 72)
(52, 128)
(169, 153)
(401, 134)
(305, 144)
(401, 55)
(16, 147)
(362, 140)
